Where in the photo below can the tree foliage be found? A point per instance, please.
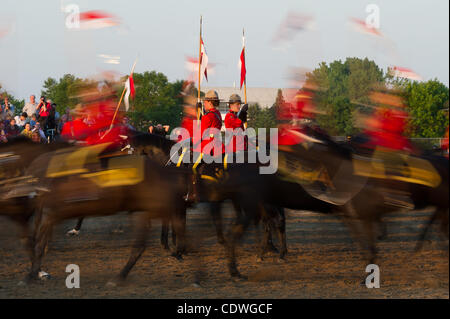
(427, 104)
(64, 92)
(344, 88)
(157, 101)
(261, 117)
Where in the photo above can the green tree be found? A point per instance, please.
(343, 89)
(157, 101)
(65, 91)
(427, 103)
(261, 117)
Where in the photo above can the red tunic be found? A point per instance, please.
(387, 130)
(287, 137)
(188, 124)
(101, 117)
(212, 119)
(232, 122)
(299, 108)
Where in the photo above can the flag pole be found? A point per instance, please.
(120, 101)
(245, 79)
(199, 67)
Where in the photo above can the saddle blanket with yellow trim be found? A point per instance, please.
(122, 170)
(397, 166)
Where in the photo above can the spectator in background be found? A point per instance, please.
(126, 123)
(27, 131)
(44, 109)
(37, 128)
(38, 107)
(7, 106)
(30, 107)
(12, 129)
(35, 137)
(21, 120)
(33, 121)
(6, 110)
(3, 138)
(159, 129)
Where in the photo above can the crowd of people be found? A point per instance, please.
(89, 123)
(37, 121)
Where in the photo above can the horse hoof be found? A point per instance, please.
(44, 275)
(239, 277)
(271, 249)
(22, 283)
(259, 259)
(196, 285)
(73, 232)
(111, 284)
(281, 260)
(177, 256)
(165, 247)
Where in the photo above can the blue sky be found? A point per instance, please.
(163, 33)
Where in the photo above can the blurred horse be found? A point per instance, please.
(358, 199)
(89, 190)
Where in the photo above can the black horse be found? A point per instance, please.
(361, 205)
(158, 148)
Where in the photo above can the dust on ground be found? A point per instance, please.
(322, 261)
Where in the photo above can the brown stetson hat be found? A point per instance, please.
(234, 98)
(211, 95)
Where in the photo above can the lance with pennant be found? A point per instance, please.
(120, 101)
(199, 68)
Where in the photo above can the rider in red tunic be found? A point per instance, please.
(92, 124)
(292, 114)
(211, 119)
(235, 119)
(387, 125)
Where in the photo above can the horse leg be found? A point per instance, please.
(281, 227)
(270, 212)
(370, 232)
(76, 230)
(382, 228)
(267, 239)
(41, 239)
(353, 222)
(179, 229)
(237, 231)
(165, 233)
(215, 211)
(425, 230)
(174, 235)
(143, 227)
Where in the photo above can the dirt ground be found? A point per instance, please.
(322, 262)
